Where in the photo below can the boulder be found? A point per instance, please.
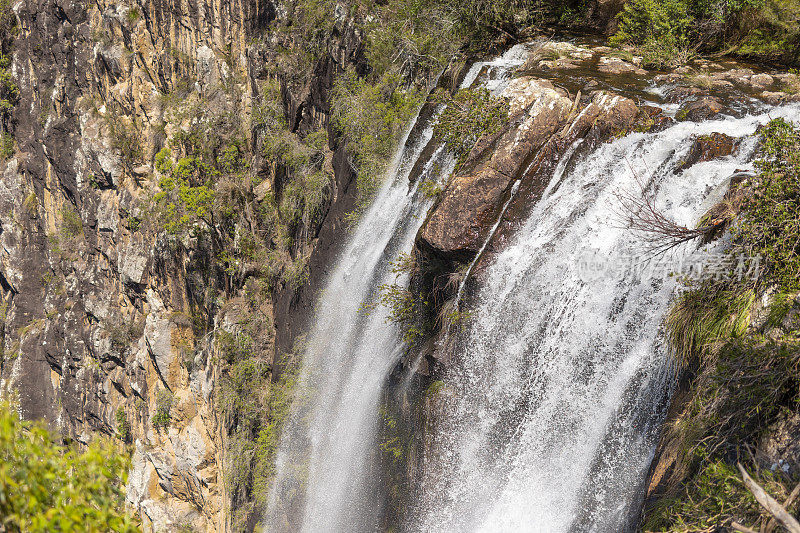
(700, 110)
(618, 67)
(761, 81)
(779, 450)
(550, 55)
(458, 225)
(681, 94)
(708, 148)
(652, 118)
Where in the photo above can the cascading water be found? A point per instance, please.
(323, 464)
(562, 379)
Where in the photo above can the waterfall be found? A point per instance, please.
(562, 379)
(324, 479)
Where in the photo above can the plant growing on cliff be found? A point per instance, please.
(162, 418)
(123, 426)
(469, 115)
(46, 486)
(769, 223)
(371, 117)
(71, 224)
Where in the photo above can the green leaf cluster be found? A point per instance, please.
(468, 115)
(372, 117)
(769, 224)
(46, 486)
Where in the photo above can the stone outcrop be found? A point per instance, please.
(708, 148)
(456, 228)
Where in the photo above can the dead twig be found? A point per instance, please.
(743, 529)
(772, 525)
(769, 503)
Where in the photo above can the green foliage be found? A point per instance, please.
(186, 196)
(659, 27)
(254, 410)
(703, 318)
(666, 32)
(372, 117)
(282, 393)
(9, 92)
(125, 136)
(470, 114)
(431, 190)
(123, 426)
(163, 415)
(133, 14)
(407, 308)
(413, 38)
(391, 443)
(45, 486)
(71, 225)
(163, 160)
(715, 496)
(6, 146)
(769, 223)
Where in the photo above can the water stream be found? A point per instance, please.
(562, 378)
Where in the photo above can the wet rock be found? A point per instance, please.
(618, 67)
(708, 148)
(551, 55)
(699, 110)
(761, 81)
(615, 116)
(779, 450)
(681, 94)
(652, 119)
(457, 226)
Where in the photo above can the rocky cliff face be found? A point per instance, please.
(105, 320)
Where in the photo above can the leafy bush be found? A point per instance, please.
(123, 426)
(372, 118)
(469, 114)
(9, 92)
(769, 223)
(45, 486)
(659, 27)
(163, 415)
(71, 224)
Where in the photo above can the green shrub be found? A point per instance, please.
(71, 224)
(46, 487)
(372, 118)
(163, 415)
(769, 224)
(714, 497)
(163, 160)
(659, 27)
(469, 114)
(6, 146)
(123, 426)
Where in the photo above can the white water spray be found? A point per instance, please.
(554, 405)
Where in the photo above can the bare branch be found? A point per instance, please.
(660, 234)
(769, 503)
(743, 529)
(772, 525)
